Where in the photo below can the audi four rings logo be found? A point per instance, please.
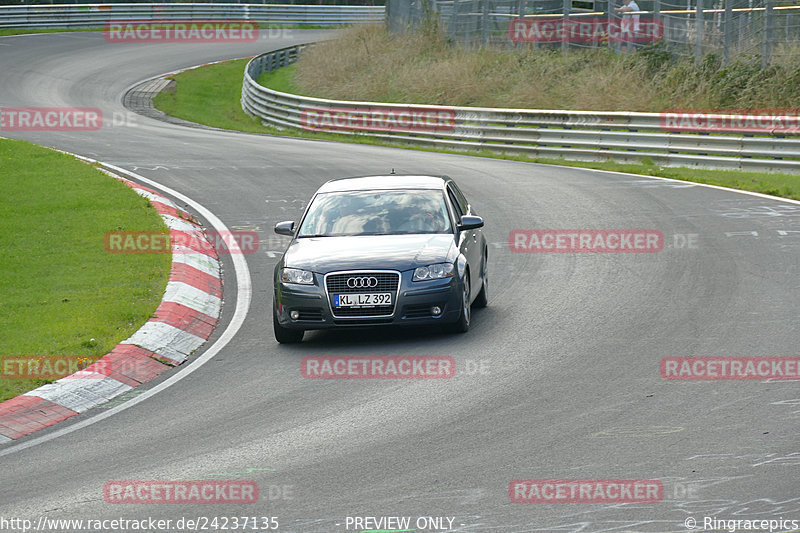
(364, 282)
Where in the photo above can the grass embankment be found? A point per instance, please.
(380, 67)
(211, 95)
(62, 293)
(367, 63)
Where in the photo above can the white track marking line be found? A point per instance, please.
(708, 185)
(243, 297)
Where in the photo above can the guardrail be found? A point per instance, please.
(577, 135)
(97, 15)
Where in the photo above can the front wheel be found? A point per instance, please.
(462, 324)
(285, 335)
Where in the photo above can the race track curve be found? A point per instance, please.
(570, 343)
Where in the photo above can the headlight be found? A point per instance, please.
(437, 271)
(295, 275)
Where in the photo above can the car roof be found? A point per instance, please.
(390, 181)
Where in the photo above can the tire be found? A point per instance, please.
(462, 324)
(285, 335)
(482, 299)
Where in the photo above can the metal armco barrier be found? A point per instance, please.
(96, 15)
(577, 135)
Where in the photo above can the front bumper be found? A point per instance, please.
(412, 305)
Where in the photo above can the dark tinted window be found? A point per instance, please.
(462, 200)
(382, 212)
(457, 205)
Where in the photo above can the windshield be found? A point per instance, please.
(395, 212)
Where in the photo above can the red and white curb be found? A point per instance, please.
(184, 320)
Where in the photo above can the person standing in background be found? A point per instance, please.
(629, 6)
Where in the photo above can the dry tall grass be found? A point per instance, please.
(369, 64)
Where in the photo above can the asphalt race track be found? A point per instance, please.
(570, 344)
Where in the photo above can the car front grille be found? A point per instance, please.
(386, 282)
(363, 282)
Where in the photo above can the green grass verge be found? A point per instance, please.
(281, 80)
(25, 31)
(211, 95)
(63, 294)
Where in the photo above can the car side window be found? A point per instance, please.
(459, 211)
(458, 198)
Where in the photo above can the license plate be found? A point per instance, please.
(372, 299)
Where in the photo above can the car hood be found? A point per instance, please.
(393, 252)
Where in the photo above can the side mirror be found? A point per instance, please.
(285, 228)
(469, 222)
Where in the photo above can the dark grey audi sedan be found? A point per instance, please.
(391, 250)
